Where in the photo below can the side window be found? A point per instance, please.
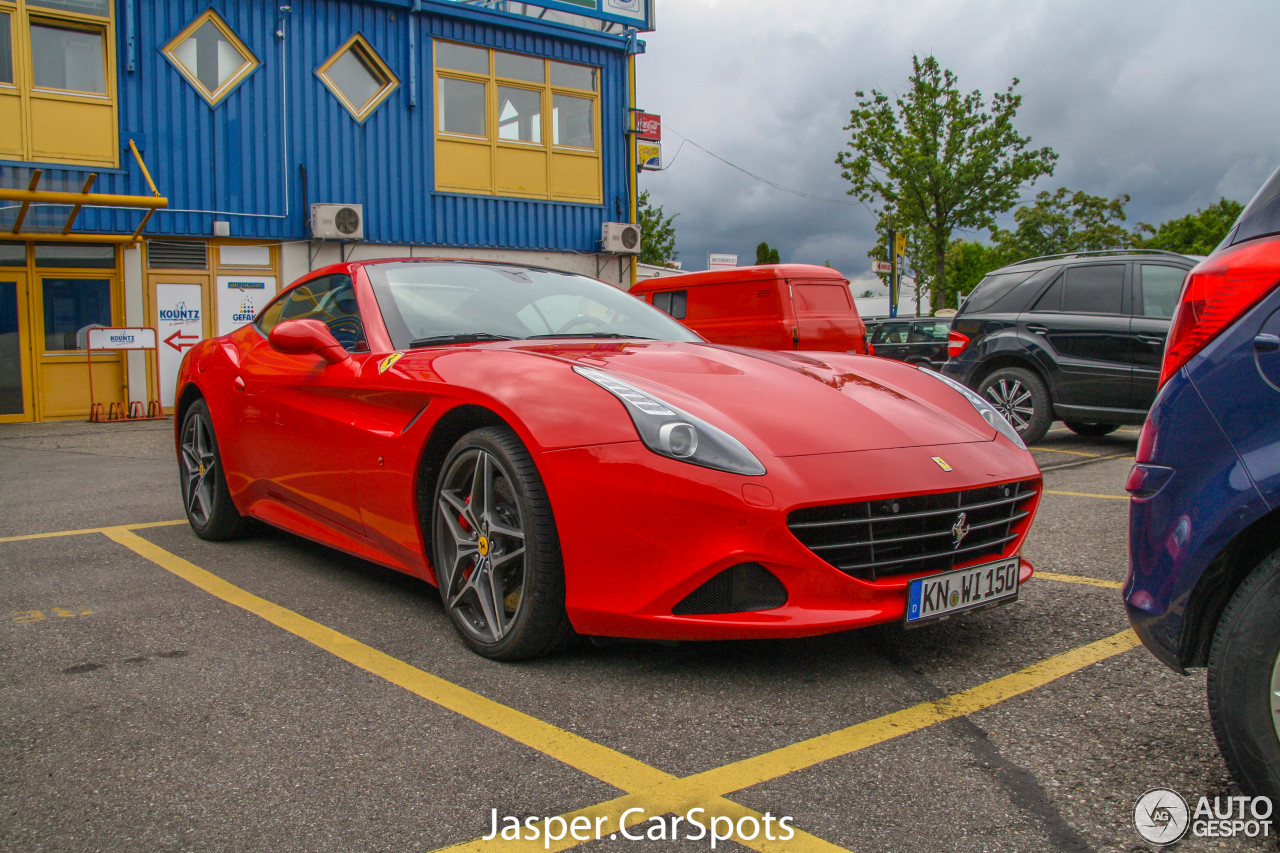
(929, 332)
(329, 299)
(674, 302)
(1093, 289)
(1051, 299)
(1161, 287)
(891, 333)
(270, 316)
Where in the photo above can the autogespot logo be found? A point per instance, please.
(1161, 816)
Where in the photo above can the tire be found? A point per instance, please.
(1091, 430)
(1021, 396)
(205, 496)
(1244, 675)
(491, 517)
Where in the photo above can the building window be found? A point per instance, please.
(212, 58)
(358, 77)
(516, 125)
(6, 47)
(71, 307)
(57, 82)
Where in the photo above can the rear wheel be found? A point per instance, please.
(210, 510)
(496, 551)
(1091, 430)
(1022, 398)
(1244, 682)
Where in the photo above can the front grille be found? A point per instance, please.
(917, 533)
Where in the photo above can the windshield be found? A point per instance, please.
(441, 302)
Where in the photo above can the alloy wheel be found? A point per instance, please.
(199, 464)
(482, 550)
(1013, 400)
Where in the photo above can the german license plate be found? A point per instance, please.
(938, 595)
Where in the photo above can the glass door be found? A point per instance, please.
(15, 349)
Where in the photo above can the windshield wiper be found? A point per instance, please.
(460, 338)
(592, 335)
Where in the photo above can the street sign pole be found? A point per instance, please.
(894, 274)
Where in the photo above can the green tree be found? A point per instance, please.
(936, 159)
(967, 263)
(657, 233)
(1064, 221)
(1194, 234)
(767, 255)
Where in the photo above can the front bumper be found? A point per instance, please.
(640, 532)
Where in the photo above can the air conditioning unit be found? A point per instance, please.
(620, 238)
(337, 221)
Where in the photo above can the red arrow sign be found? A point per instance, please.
(179, 346)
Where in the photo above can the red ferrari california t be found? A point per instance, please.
(560, 458)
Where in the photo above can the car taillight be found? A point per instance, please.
(956, 343)
(1216, 293)
(871, 349)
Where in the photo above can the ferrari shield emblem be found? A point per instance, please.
(942, 463)
(386, 363)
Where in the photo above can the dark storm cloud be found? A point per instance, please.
(1172, 103)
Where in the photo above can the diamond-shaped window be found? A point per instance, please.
(211, 57)
(358, 77)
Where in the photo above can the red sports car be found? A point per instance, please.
(560, 458)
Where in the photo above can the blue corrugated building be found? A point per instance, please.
(278, 137)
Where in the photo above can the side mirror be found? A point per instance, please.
(307, 337)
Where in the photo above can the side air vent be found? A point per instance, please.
(177, 255)
(742, 588)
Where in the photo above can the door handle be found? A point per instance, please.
(1266, 343)
(1038, 329)
(238, 383)
(1154, 340)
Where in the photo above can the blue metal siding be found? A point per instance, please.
(230, 162)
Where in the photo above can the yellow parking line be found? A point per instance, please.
(1080, 579)
(603, 763)
(1087, 495)
(607, 765)
(678, 795)
(56, 534)
(788, 759)
(650, 790)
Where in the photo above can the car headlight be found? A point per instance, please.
(989, 412)
(670, 432)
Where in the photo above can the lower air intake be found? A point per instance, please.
(738, 589)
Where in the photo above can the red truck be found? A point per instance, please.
(774, 306)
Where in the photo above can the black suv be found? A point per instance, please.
(918, 340)
(1076, 337)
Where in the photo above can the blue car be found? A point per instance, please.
(1204, 519)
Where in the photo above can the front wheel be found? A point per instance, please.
(210, 510)
(1091, 430)
(496, 551)
(1244, 682)
(1022, 398)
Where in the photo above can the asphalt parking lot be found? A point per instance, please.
(164, 693)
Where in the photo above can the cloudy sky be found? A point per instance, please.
(1175, 103)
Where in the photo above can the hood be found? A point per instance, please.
(789, 404)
